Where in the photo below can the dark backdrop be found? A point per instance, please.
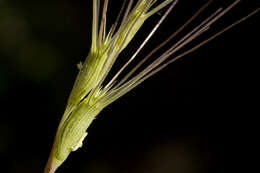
(193, 117)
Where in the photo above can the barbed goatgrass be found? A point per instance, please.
(90, 95)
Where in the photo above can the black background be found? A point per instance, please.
(194, 116)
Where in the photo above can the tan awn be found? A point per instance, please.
(90, 94)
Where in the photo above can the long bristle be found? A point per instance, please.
(113, 28)
(143, 44)
(95, 25)
(156, 66)
(164, 43)
(102, 29)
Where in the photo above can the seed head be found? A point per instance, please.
(90, 95)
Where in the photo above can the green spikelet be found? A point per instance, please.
(88, 96)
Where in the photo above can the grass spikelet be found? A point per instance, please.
(90, 94)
